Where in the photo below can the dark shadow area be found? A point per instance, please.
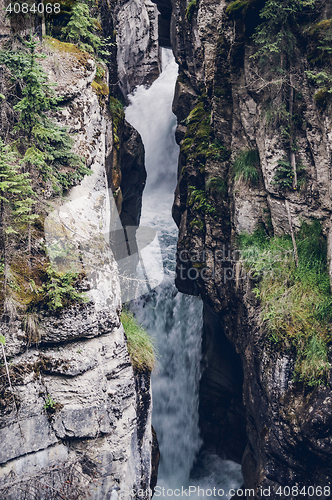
(221, 411)
(164, 22)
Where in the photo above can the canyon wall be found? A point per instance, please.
(75, 418)
(223, 102)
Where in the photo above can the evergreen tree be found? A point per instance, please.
(38, 96)
(274, 34)
(47, 146)
(276, 40)
(81, 30)
(16, 200)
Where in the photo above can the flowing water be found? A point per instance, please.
(172, 318)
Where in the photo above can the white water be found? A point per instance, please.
(173, 319)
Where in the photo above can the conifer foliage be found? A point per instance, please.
(47, 146)
(274, 35)
(16, 201)
(39, 155)
(82, 30)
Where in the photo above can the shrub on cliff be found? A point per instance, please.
(246, 166)
(296, 302)
(16, 201)
(46, 147)
(82, 29)
(140, 346)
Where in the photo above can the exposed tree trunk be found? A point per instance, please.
(291, 112)
(292, 233)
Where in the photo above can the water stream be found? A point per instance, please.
(172, 318)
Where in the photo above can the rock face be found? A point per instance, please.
(136, 24)
(75, 421)
(228, 95)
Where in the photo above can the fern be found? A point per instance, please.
(197, 199)
(59, 290)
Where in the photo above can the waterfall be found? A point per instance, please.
(173, 319)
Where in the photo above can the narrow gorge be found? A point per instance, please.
(165, 164)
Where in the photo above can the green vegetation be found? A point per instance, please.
(196, 223)
(197, 199)
(217, 151)
(236, 8)
(16, 202)
(196, 143)
(43, 153)
(46, 147)
(216, 185)
(81, 30)
(246, 166)
(117, 112)
(274, 35)
(283, 178)
(191, 8)
(140, 346)
(49, 404)
(319, 57)
(296, 302)
(59, 290)
(16, 61)
(196, 139)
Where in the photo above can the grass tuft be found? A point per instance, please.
(296, 302)
(140, 345)
(246, 166)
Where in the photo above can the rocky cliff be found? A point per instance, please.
(229, 102)
(75, 419)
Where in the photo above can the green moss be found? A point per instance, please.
(101, 88)
(217, 185)
(323, 98)
(196, 140)
(219, 92)
(191, 8)
(68, 48)
(140, 345)
(319, 43)
(186, 145)
(296, 302)
(196, 143)
(320, 27)
(117, 112)
(197, 200)
(218, 152)
(240, 8)
(236, 7)
(199, 224)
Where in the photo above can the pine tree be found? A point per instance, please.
(47, 146)
(276, 42)
(274, 34)
(16, 201)
(81, 30)
(38, 96)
